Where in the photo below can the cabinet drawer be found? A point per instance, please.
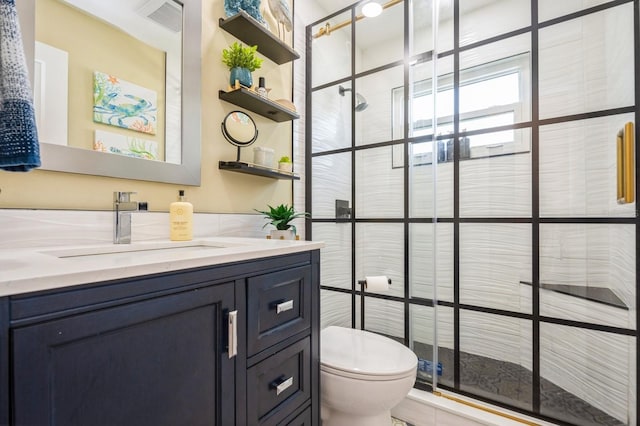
(302, 419)
(279, 384)
(278, 306)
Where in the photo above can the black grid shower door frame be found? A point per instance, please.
(535, 317)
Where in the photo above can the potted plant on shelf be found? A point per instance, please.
(242, 61)
(285, 164)
(280, 217)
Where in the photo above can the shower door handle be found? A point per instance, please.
(625, 158)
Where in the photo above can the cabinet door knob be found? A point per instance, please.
(281, 385)
(284, 306)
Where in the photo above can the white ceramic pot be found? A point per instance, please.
(287, 234)
(285, 167)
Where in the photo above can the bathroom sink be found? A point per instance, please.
(136, 250)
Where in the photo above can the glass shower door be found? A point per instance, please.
(477, 165)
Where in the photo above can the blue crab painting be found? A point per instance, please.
(125, 145)
(119, 103)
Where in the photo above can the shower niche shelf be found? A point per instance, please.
(250, 100)
(248, 30)
(251, 169)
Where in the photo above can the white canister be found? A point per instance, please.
(264, 157)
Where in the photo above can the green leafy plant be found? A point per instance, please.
(281, 215)
(241, 56)
(284, 159)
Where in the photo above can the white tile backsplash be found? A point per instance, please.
(47, 228)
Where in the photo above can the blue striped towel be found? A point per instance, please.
(19, 148)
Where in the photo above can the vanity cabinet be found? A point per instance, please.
(155, 350)
(157, 361)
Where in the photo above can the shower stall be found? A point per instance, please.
(481, 154)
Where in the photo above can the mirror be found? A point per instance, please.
(175, 117)
(239, 129)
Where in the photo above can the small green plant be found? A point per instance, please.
(284, 159)
(241, 56)
(281, 215)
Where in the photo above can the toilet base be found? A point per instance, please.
(336, 418)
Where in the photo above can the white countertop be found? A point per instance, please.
(27, 270)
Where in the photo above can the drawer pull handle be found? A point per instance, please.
(284, 306)
(282, 386)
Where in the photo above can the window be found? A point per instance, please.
(492, 95)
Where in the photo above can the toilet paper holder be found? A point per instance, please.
(364, 282)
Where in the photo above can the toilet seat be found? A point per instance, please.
(367, 377)
(364, 355)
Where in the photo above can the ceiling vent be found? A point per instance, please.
(167, 13)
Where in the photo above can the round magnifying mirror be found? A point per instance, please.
(239, 129)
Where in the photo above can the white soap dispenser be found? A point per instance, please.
(181, 219)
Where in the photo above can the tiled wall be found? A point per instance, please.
(47, 228)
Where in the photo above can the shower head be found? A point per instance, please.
(361, 102)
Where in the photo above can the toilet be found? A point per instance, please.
(363, 376)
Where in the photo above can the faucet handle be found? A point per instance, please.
(122, 197)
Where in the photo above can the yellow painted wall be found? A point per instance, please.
(220, 191)
(103, 48)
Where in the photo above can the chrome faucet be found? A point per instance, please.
(122, 209)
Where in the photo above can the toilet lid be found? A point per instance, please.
(364, 353)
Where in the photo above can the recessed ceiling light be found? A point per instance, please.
(371, 9)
